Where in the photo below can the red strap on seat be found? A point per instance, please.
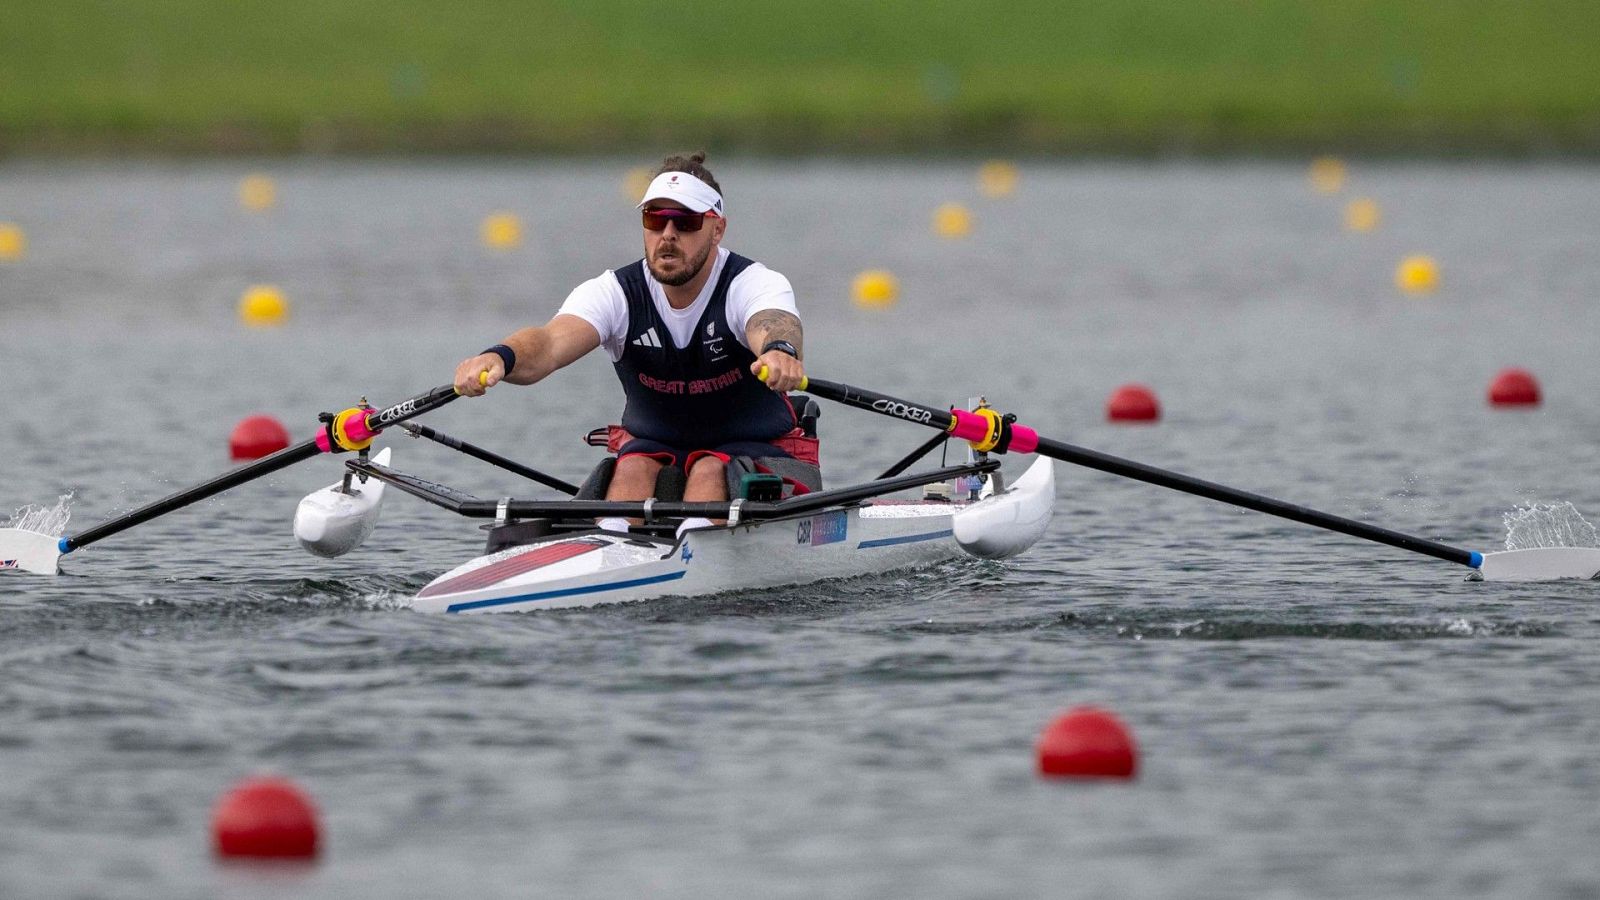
(796, 488)
(616, 436)
(799, 446)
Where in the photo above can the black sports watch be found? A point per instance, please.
(783, 346)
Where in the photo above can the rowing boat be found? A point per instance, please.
(774, 547)
(549, 554)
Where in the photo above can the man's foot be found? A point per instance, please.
(693, 522)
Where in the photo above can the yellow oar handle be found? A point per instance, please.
(483, 379)
(762, 375)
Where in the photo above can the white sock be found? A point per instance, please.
(614, 523)
(693, 522)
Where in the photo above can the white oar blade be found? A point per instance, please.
(1541, 564)
(29, 551)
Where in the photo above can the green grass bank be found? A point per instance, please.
(834, 76)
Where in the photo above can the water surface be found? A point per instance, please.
(1319, 717)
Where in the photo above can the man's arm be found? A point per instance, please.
(784, 372)
(539, 352)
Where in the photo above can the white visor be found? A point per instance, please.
(681, 187)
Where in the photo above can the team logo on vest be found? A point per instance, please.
(713, 343)
(648, 339)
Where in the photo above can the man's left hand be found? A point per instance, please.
(784, 372)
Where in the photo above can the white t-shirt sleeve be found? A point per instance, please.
(755, 289)
(600, 302)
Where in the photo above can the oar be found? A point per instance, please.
(989, 431)
(351, 429)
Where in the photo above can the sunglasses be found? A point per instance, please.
(657, 219)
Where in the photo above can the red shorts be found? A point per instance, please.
(795, 445)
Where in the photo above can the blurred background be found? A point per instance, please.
(832, 76)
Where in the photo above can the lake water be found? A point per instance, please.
(1317, 716)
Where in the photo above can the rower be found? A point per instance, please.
(687, 327)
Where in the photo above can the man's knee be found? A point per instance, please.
(634, 478)
(707, 480)
(637, 467)
(707, 467)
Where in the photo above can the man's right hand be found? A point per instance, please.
(469, 375)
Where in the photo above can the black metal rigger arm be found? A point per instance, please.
(467, 505)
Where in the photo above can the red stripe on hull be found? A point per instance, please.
(511, 566)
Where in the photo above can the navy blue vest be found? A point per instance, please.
(700, 396)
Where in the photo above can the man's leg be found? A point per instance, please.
(635, 478)
(706, 480)
(707, 484)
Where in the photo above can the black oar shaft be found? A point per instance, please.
(883, 404)
(1150, 474)
(377, 420)
(1104, 462)
(264, 466)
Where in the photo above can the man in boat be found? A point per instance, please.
(688, 328)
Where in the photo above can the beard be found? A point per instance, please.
(690, 269)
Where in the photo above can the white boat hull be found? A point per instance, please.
(598, 567)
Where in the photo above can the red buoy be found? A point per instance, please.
(257, 436)
(1514, 387)
(1087, 742)
(265, 818)
(1133, 403)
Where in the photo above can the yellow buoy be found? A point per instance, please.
(1362, 214)
(952, 220)
(263, 305)
(257, 193)
(875, 288)
(13, 242)
(1327, 174)
(997, 178)
(1417, 275)
(501, 231)
(636, 183)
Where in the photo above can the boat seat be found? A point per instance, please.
(806, 413)
(798, 477)
(670, 482)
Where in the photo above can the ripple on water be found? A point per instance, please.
(1318, 716)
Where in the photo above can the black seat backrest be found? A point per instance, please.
(807, 412)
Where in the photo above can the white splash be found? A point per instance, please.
(1548, 525)
(51, 520)
(386, 600)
